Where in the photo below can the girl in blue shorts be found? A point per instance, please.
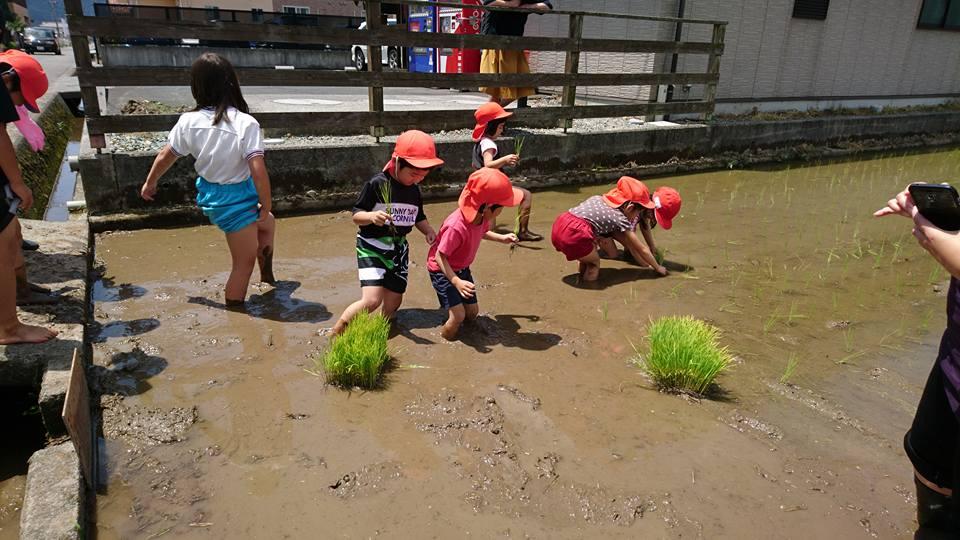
(233, 188)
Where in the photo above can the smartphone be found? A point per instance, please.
(939, 203)
(11, 198)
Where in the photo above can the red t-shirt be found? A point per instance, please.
(458, 240)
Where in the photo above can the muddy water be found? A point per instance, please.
(535, 423)
(24, 434)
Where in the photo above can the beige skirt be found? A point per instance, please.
(498, 61)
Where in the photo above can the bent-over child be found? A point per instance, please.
(486, 193)
(388, 208)
(233, 187)
(491, 121)
(597, 221)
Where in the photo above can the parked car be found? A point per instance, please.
(39, 39)
(390, 56)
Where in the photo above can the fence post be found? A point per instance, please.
(713, 67)
(81, 54)
(374, 64)
(572, 67)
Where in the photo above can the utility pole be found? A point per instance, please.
(56, 18)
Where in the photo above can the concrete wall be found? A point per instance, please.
(115, 55)
(864, 48)
(311, 178)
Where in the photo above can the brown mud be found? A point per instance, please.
(536, 423)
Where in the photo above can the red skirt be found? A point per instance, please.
(573, 236)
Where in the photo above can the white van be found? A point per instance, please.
(389, 56)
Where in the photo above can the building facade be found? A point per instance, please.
(345, 8)
(784, 53)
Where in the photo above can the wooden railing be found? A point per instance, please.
(378, 120)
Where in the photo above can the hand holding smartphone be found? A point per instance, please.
(939, 203)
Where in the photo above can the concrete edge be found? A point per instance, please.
(53, 503)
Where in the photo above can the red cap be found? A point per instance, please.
(33, 81)
(486, 113)
(416, 148)
(666, 202)
(628, 190)
(487, 186)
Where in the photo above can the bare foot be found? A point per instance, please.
(591, 272)
(25, 333)
(236, 305)
(449, 333)
(266, 266)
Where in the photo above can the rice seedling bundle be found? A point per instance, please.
(386, 194)
(357, 357)
(660, 255)
(684, 355)
(518, 146)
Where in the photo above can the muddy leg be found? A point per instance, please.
(590, 267)
(243, 253)
(370, 300)
(452, 326)
(526, 205)
(265, 233)
(11, 329)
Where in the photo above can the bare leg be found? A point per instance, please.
(265, 233)
(11, 329)
(608, 248)
(590, 266)
(452, 326)
(524, 218)
(243, 253)
(27, 293)
(391, 303)
(370, 300)
(471, 311)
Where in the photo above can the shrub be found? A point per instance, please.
(358, 356)
(684, 354)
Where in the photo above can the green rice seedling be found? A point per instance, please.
(386, 194)
(700, 200)
(604, 311)
(674, 292)
(794, 314)
(790, 369)
(768, 267)
(771, 320)
(660, 255)
(358, 356)
(925, 321)
(685, 354)
(936, 275)
(518, 146)
(847, 340)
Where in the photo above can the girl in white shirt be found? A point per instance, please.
(233, 188)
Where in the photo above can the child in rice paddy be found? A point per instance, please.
(491, 120)
(486, 193)
(599, 220)
(233, 188)
(388, 208)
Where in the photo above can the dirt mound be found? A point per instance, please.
(145, 106)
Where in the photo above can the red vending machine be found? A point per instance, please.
(460, 21)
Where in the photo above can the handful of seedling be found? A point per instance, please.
(518, 146)
(358, 356)
(386, 194)
(685, 355)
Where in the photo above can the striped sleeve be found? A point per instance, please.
(177, 140)
(252, 142)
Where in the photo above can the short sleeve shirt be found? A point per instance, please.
(502, 23)
(221, 150)
(406, 205)
(8, 113)
(481, 148)
(458, 240)
(602, 218)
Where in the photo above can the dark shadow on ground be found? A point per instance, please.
(100, 333)
(481, 334)
(105, 290)
(57, 266)
(411, 319)
(610, 277)
(63, 310)
(126, 373)
(277, 304)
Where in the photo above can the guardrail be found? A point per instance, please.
(377, 34)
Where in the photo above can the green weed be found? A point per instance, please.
(358, 356)
(684, 354)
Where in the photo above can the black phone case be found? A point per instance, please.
(938, 203)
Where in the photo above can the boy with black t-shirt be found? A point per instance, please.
(388, 208)
(23, 83)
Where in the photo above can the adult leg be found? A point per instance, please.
(243, 254)
(524, 218)
(11, 329)
(265, 233)
(370, 299)
(454, 320)
(590, 266)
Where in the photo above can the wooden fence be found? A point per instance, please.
(376, 119)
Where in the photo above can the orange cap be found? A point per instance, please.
(486, 113)
(628, 190)
(487, 186)
(666, 201)
(33, 81)
(416, 148)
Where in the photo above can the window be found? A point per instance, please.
(256, 15)
(811, 9)
(213, 13)
(296, 10)
(940, 14)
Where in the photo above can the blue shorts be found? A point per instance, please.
(229, 206)
(448, 295)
